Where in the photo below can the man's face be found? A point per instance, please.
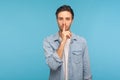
(64, 19)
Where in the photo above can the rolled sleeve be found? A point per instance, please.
(57, 58)
(86, 64)
(52, 58)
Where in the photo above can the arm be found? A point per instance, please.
(64, 35)
(86, 65)
(60, 49)
(52, 58)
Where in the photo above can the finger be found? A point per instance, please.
(68, 34)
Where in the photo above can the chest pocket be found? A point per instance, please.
(77, 56)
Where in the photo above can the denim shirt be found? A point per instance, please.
(78, 59)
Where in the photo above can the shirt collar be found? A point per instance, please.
(57, 37)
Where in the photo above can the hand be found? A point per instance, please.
(65, 34)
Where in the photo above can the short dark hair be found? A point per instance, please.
(64, 8)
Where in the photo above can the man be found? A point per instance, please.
(66, 53)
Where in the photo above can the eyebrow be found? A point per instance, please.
(65, 17)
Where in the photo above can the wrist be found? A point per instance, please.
(63, 41)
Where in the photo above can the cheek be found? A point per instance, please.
(59, 22)
(69, 23)
(60, 25)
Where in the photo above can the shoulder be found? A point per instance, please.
(51, 37)
(79, 38)
(79, 42)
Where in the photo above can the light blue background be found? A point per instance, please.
(25, 23)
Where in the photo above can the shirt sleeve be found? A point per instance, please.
(86, 64)
(52, 58)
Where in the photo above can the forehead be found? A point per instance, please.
(64, 14)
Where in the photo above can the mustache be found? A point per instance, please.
(66, 30)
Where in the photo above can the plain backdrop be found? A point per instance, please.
(25, 23)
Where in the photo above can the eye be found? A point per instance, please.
(60, 18)
(67, 18)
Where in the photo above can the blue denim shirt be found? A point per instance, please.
(78, 63)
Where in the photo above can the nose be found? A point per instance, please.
(64, 22)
